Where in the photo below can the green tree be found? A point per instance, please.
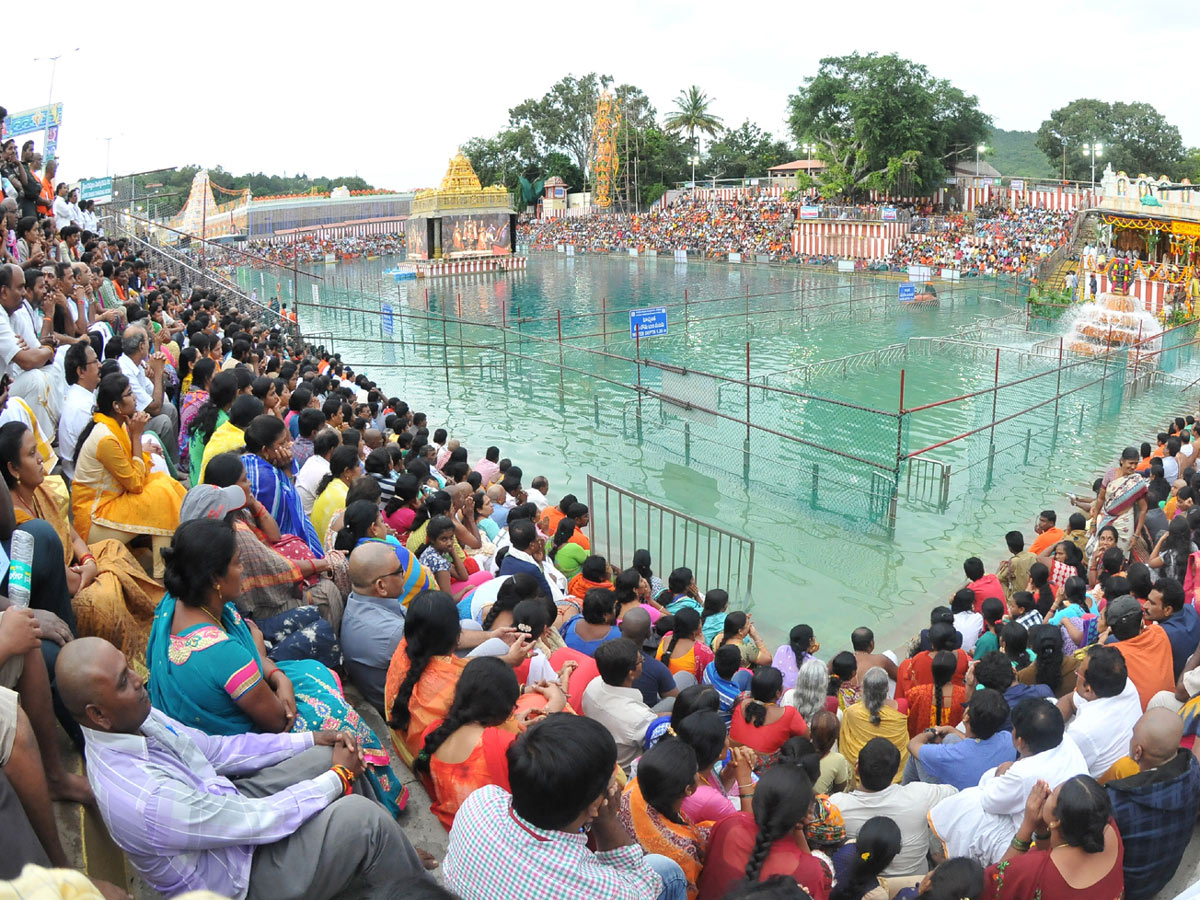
(563, 118)
(883, 122)
(692, 114)
(1062, 136)
(503, 159)
(745, 152)
(561, 165)
(1136, 137)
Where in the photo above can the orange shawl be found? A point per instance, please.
(430, 702)
(686, 843)
(578, 586)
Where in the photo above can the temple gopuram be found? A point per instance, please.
(461, 226)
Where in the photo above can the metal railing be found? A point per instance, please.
(192, 274)
(622, 522)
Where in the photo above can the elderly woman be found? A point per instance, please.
(115, 494)
(1122, 501)
(270, 471)
(280, 572)
(876, 715)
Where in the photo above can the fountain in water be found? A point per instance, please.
(1112, 321)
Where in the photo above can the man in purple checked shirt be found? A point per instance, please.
(250, 816)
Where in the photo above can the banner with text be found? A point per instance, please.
(28, 121)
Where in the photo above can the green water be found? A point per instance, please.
(832, 571)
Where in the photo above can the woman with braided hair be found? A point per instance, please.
(746, 848)
(424, 671)
(466, 750)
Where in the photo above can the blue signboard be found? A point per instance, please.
(388, 321)
(908, 292)
(648, 322)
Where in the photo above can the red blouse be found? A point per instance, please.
(768, 738)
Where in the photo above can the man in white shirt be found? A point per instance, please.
(907, 805)
(35, 377)
(1171, 461)
(164, 418)
(316, 467)
(981, 822)
(538, 488)
(62, 207)
(1103, 709)
(614, 702)
(83, 375)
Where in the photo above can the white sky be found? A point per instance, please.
(390, 89)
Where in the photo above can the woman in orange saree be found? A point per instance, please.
(424, 671)
(651, 808)
(466, 750)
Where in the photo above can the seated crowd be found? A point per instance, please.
(991, 241)
(235, 536)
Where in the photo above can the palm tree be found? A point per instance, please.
(692, 115)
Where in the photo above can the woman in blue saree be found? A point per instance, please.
(209, 669)
(271, 470)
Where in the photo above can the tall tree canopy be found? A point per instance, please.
(883, 122)
(1136, 137)
(745, 152)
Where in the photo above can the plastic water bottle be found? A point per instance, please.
(20, 573)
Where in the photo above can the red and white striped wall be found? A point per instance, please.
(1057, 199)
(442, 267)
(326, 233)
(739, 193)
(872, 240)
(1152, 294)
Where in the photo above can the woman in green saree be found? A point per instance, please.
(209, 669)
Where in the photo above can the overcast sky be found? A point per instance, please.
(389, 90)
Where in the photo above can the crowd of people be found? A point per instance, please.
(993, 240)
(234, 537)
(712, 228)
(317, 249)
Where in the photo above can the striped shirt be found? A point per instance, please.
(495, 853)
(166, 798)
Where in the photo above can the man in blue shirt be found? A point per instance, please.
(942, 755)
(1167, 605)
(655, 681)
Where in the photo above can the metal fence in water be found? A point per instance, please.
(787, 434)
(623, 522)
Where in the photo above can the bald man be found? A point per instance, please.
(253, 815)
(385, 577)
(659, 688)
(1155, 809)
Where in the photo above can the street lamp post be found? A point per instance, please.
(694, 159)
(980, 148)
(50, 98)
(1093, 149)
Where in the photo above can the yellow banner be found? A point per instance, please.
(1188, 229)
